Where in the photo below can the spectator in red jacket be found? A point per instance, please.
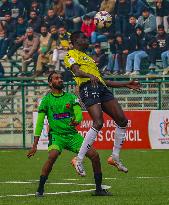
(88, 26)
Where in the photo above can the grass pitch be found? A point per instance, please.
(147, 181)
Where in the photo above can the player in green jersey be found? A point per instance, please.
(64, 113)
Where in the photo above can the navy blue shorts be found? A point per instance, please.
(94, 95)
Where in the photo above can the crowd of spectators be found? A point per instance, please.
(41, 29)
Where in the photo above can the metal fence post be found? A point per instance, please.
(159, 96)
(23, 113)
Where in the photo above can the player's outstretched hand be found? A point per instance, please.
(134, 85)
(32, 152)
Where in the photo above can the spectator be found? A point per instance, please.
(10, 30)
(99, 57)
(34, 21)
(88, 26)
(58, 7)
(153, 54)
(20, 37)
(30, 47)
(52, 19)
(162, 12)
(138, 44)
(2, 33)
(108, 5)
(63, 46)
(37, 7)
(121, 11)
(44, 40)
(165, 62)
(131, 27)
(2, 37)
(163, 42)
(122, 50)
(137, 7)
(17, 9)
(73, 13)
(45, 58)
(91, 5)
(111, 56)
(5, 7)
(148, 22)
(157, 46)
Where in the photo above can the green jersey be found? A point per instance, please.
(59, 111)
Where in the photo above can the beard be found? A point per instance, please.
(44, 34)
(58, 87)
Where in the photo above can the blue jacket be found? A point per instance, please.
(137, 7)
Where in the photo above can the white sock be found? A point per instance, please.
(118, 140)
(88, 141)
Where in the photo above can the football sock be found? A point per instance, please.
(42, 182)
(88, 141)
(118, 140)
(98, 181)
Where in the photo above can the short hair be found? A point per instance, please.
(20, 17)
(74, 36)
(86, 17)
(52, 73)
(8, 13)
(29, 29)
(160, 27)
(53, 26)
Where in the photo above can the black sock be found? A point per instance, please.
(42, 182)
(98, 181)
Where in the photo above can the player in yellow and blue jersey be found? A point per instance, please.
(97, 98)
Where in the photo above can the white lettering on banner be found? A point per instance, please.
(86, 124)
(108, 123)
(131, 135)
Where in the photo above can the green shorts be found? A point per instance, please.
(71, 142)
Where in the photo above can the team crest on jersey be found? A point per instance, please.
(71, 61)
(68, 106)
(61, 116)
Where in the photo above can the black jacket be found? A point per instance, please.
(55, 20)
(122, 9)
(6, 7)
(138, 42)
(10, 28)
(163, 42)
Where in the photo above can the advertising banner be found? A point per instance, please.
(136, 136)
(146, 130)
(159, 129)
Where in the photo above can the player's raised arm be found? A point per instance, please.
(135, 85)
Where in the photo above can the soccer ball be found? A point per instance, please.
(103, 19)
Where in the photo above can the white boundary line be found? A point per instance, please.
(53, 183)
(55, 193)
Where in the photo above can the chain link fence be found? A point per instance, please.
(18, 101)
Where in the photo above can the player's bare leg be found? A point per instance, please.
(114, 110)
(95, 159)
(46, 169)
(95, 111)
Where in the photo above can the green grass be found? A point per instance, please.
(131, 188)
